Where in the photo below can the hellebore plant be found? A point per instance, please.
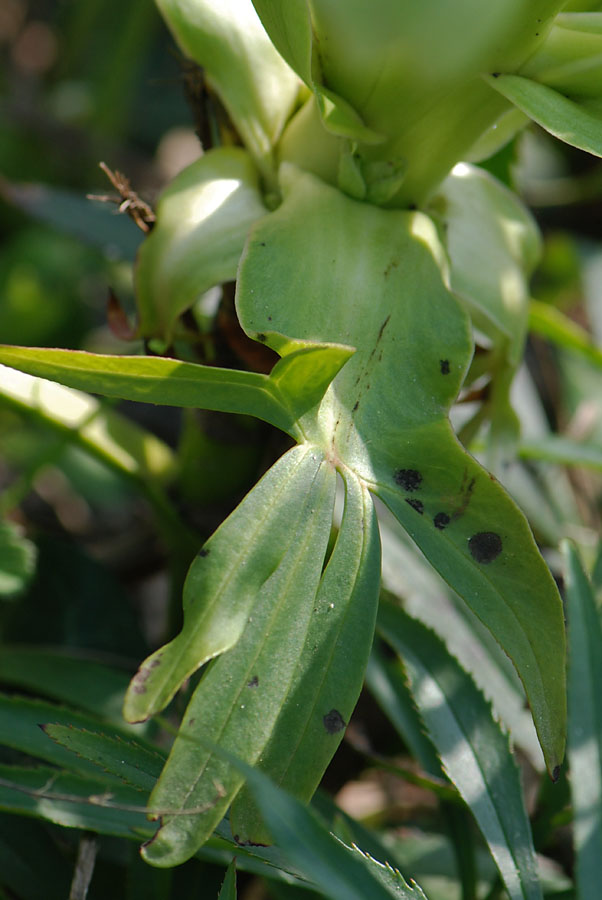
(367, 250)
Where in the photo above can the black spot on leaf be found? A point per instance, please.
(261, 337)
(253, 682)
(409, 479)
(204, 551)
(444, 366)
(355, 406)
(441, 520)
(556, 774)
(333, 721)
(485, 546)
(415, 504)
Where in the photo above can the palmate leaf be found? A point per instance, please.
(473, 749)
(372, 278)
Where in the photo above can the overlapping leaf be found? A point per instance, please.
(238, 701)
(372, 277)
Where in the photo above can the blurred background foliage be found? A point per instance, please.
(94, 539)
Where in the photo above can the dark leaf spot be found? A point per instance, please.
(191, 722)
(485, 546)
(155, 662)
(333, 721)
(416, 504)
(444, 366)
(261, 337)
(441, 520)
(253, 682)
(408, 479)
(247, 843)
(204, 551)
(355, 406)
(556, 774)
(269, 318)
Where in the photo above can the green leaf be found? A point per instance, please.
(133, 763)
(279, 398)
(559, 449)
(239, 699)
(73, 801)
(66, 676)
(17, 561)
(20, 720)
(335, 869)
(223, 582)
(373, 278)
(576, 123)
(255, 84)
(112, 438)
(330, 671)
(585, 723)
(228, 891)
(552, 324)
(474, 751)
(73, 213)
(483, 218)
(202, 222)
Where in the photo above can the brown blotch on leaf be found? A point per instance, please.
(441, 521)
(444, 366)
(253, 682)
(485, 546)
(409, 479)
(418, 505)
(333, 721)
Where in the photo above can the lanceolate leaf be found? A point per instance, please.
(585, 724)
(228, 891)
(134, 764)
(330, 671)
(279, 398)
(238, 701)
(578, 123)
(474, 751)
(223, 582)
(372, 277)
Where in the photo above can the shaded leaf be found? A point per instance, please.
(202, 221)
(73, 801)
(67, 676)
(228, 891)
(17, 561)
(335, 869)
(585, 724)
(134, 764)
(20, 721)
(473, 749)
